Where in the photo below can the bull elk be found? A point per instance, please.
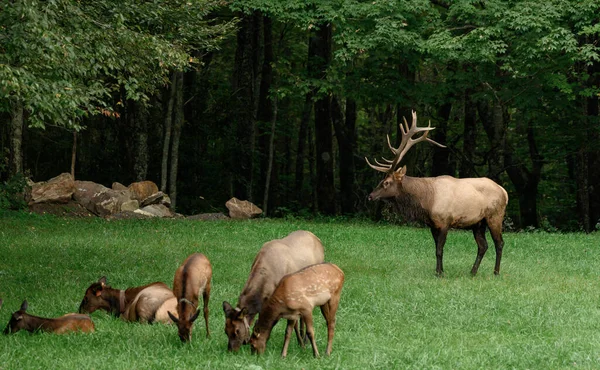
(148, 303)
(192, 279)
(275, 259)
(295, 297)
(443, 202)
(73, 322)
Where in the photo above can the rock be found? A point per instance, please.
(101, 200)
(208, 216)
(157, 210)
(142, 190)
(118, 186)
(58, 189)
(85, 192)
(130, 205)
(155, 198)
(141, 212)
(242, 209)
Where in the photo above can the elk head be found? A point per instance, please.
(187, 315)
(237, 326)
(92, 300)
(258, 342)
(18, 320)
(391, 184)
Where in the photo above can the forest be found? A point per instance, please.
(279, 102)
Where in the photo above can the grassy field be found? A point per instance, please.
(542, 312)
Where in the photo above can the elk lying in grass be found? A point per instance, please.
(192, 279)
(295, 297)
(443, 202)
(148, 303)
(73, 322)
(275, 259)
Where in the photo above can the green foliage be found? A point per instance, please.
(12, 193)
(65, 60)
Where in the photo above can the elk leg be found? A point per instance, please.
(298, 334)
(205, 298)
(482, 245)
(310, 330)
(288, 333)
(439, 236)
(329, 310)
(496, 232)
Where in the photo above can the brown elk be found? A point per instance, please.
(148, 303)
(73, 322)
(295, 297)
(275, 259)
(192, 279)
(443, 202)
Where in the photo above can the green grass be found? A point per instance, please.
(542, 312)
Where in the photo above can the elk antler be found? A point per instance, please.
(406, 143)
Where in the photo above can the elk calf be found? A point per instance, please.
(295, 297)
(192, 279)
(275, 259)
(147, 303)
(73, 322)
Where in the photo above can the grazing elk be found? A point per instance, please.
(275, 259)
(295, 297)
(443, 202)
(149, 303)
(192, 279)
(73, 322)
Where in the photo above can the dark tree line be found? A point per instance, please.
(282, 108)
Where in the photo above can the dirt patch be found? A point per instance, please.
(70, 209)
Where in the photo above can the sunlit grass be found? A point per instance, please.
(542, 312)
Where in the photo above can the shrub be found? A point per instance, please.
(12, 193)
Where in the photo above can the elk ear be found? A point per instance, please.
(227, 308)
(243, 313)
(195, 316)
(399, 173)
(175, 319)
(24, 306)
(102, 280)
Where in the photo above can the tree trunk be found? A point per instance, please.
(270, 164)
(320, 45)
(467, 166)
(440, 134)
(265, 109)
(300, 152)
(593, 117)
(246, 75)
(345, 132)
(177, 125)
(167, 134)
(73, 154)
(140, 132)
(526, 182)
(16, 140)
(495, 128)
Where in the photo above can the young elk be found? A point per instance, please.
(148, 303)
(192, 279)
(443, 202)
(275, 259)
(295, 297)
(73, 322)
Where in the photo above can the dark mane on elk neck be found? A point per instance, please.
(408, 204)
